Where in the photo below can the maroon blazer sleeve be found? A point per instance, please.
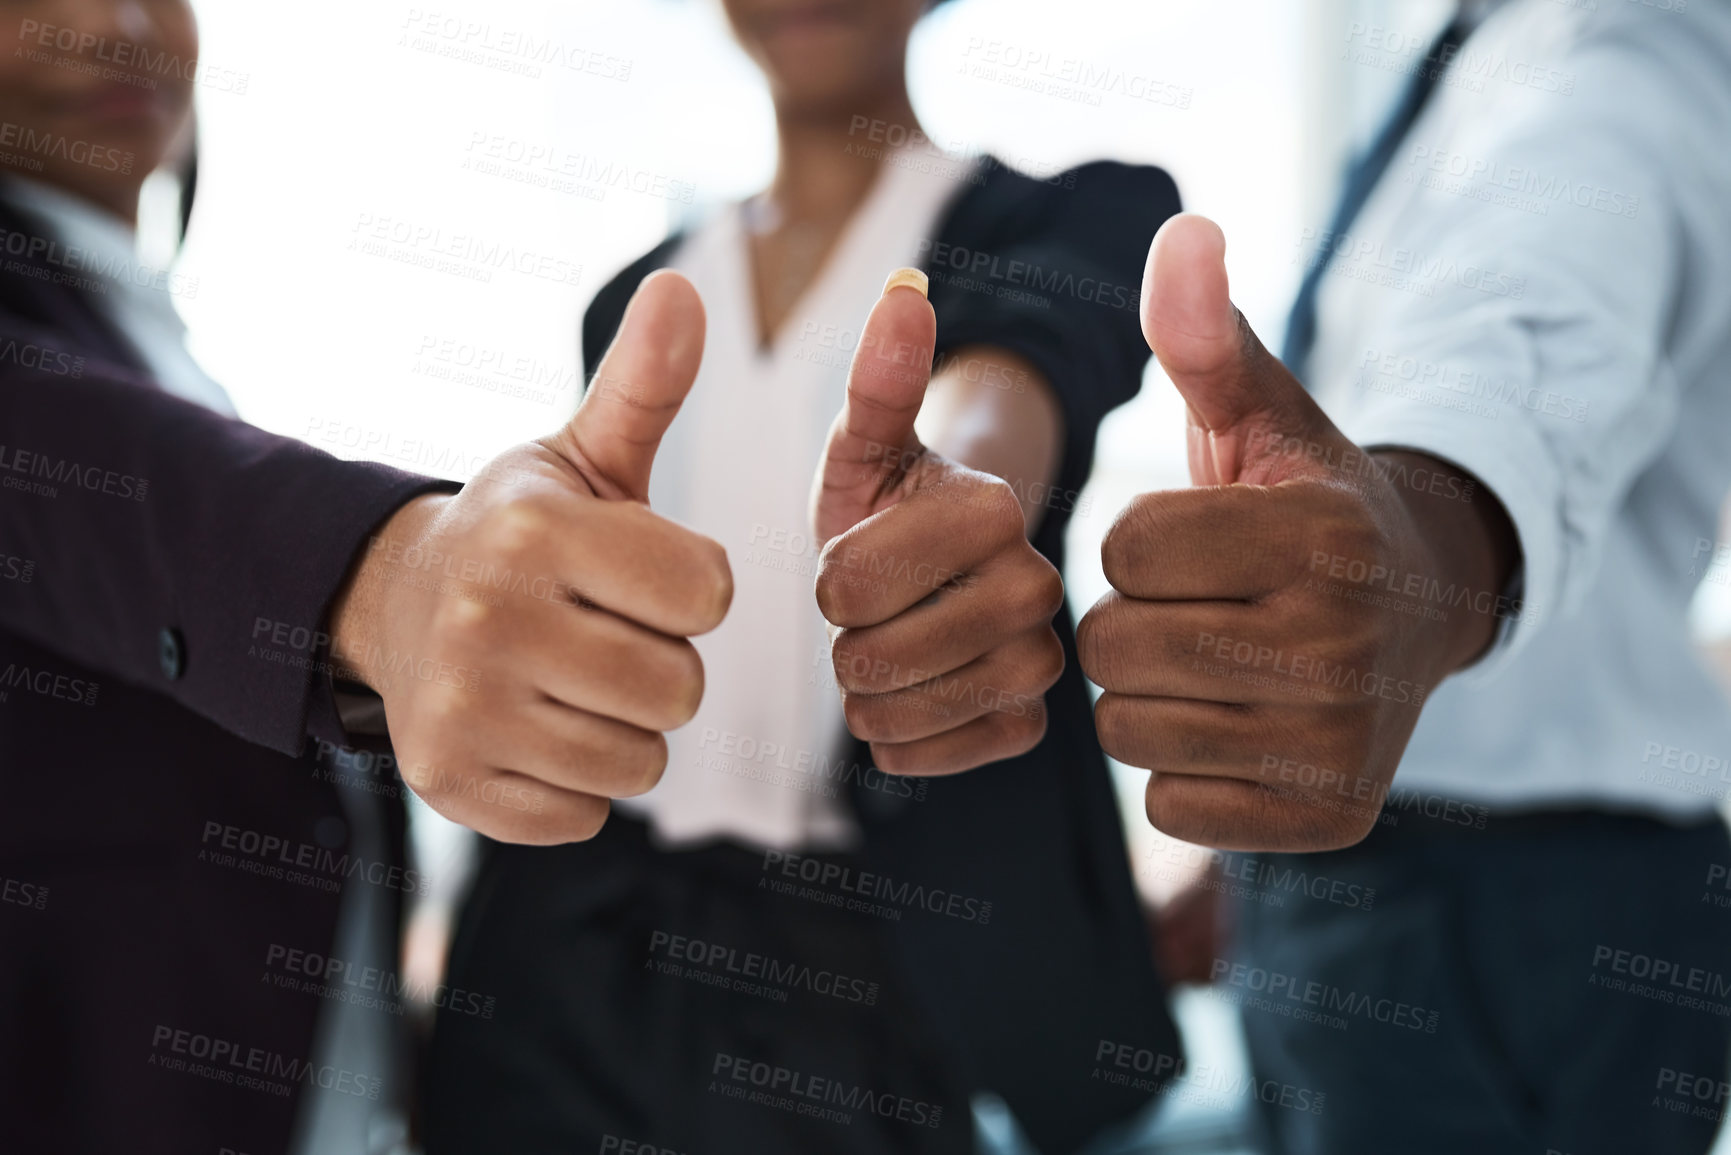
(173, 548)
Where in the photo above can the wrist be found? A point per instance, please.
(359, 612)
(1465, 545)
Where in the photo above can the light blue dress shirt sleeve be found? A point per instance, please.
(1553, 242)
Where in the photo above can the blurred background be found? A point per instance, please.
(346, 141)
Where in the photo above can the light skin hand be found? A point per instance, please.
(941, 610)
(562, 600)
(1227, 648)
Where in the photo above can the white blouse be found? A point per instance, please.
(763, 761)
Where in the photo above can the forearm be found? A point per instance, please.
(992, 410)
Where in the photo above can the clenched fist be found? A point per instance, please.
(1274, 616)
(561, 597)
(945, 646)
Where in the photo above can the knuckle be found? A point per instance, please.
(517, 528)
(716, 583)
(861, 667)
(1001, 509)
(1023, 732)
(837, 597)
(682, 682)
(896, 758)
(644, 761)
(1115, 723)
(1038, 591)
(863, 717)
(464, 621)
(1103, 655)
(582, 819)
(1089, 640)
(1125, 544)
(1047, 664)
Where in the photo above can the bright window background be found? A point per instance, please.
(348, 120)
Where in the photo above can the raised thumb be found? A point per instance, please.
(872, 441)
(1246, 410)
(637, 389)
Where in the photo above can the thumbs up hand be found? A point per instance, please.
(943, 646)
(528, 635)
(1267, 648)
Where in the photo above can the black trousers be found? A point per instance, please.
(674, 1001)
(1554, 982)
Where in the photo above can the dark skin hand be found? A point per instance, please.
(943, 644)
(1233, 645)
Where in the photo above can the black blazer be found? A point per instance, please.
(142, 541)
(1052, 270)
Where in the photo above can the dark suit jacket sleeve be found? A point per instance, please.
(1052, 269)
(157, 514)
